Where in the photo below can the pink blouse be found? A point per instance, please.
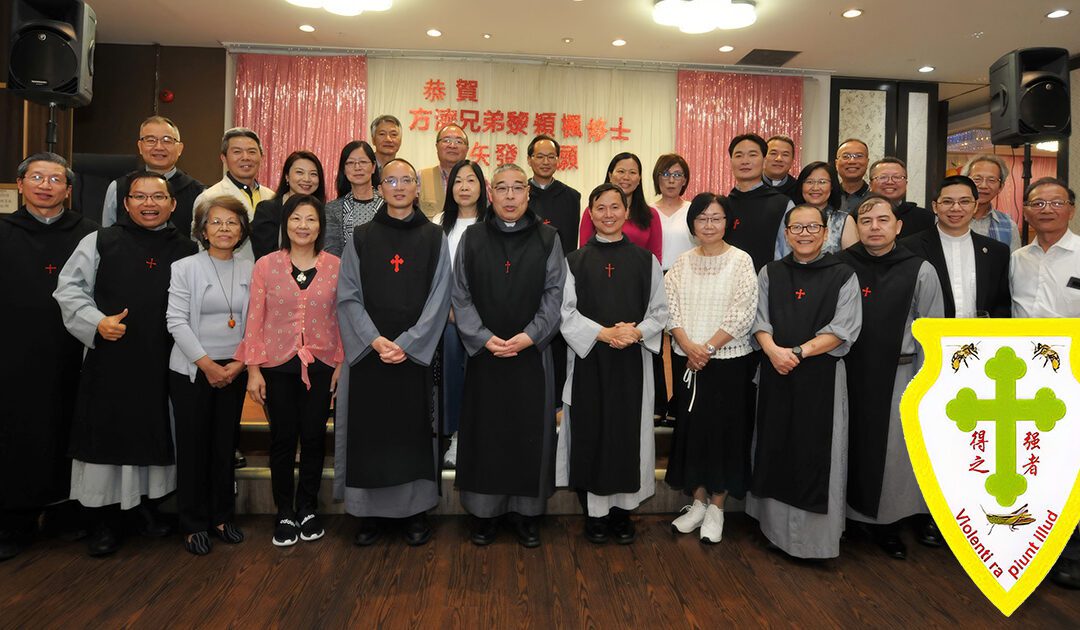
(651, 239)
(285, 321)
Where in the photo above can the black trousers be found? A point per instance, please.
(206, 421)
(297, 413)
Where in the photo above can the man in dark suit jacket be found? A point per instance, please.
(973, 269)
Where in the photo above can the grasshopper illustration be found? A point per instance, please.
(1013, 519)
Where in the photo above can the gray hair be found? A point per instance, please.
(45, 156)
(161, 120)
(993, 159)
(239, 132)
(385, 118)
(225, 202)
(509, 166)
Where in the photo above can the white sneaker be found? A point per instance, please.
(692, 516)
(450, 458)
(712, 530)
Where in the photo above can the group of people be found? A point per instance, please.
(441, 303)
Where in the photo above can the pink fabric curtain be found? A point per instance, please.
(295, 103)
(714, 107)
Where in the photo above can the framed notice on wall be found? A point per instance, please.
(9, 198)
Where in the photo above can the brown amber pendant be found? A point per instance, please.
(232, 323)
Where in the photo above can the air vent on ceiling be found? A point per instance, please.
(766, 57)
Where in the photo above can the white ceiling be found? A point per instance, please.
(891, 40)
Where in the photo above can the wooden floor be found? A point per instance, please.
(659, 582)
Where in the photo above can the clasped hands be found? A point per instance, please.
(218, 375)
(389, 352)
(783, 359)
(620, 336)
(506, 348)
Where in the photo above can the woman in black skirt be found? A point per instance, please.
(712, 297)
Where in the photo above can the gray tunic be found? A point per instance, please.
(580, 334)
(541, 329)
(419, 343)
(797, 532)
(900, 494)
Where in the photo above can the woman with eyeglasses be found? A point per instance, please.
(644, 228)
(808, 314)
(208, 302)
(712, 299)
(302, 174)
(819, 186)
(292, 349)
(357, 196)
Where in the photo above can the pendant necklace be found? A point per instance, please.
(227, 296)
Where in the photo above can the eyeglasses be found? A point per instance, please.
(817, 182)
(504, 190)
(1056, 204)
(966, 203)
(852, 156)
(141, 198)
(545, 157)
(217, 224)
(703, 219)
(453, 142)
(357, 163)
(394, 182)
(890, 178)
(166, 141)
(979, 179)
(676, 175)
(38, 179)
(809, 228)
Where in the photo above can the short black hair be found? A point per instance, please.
(753, 137)
(958, 180)
(789, 141)
(606, 187)
(290, 207)
(834, 184)
(543, 136)
(820, 211)
(887, 160)
(135, 176)
(1046, 181)
(700, 203)
(341, 182)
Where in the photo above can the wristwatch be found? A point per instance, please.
(710, 348)
(797, 351)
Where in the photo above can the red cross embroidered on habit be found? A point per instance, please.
(866, 292)
(609, 269)
(397, 261)
(50, 268)
(735, 225)
(800, 294)
(150, 264)
(508, 266)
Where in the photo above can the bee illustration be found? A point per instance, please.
(1013, 519)
(1050, 357)
(962, 355)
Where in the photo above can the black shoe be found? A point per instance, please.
(1066, 573)
(151, 524)
(528, 531)
(417, 530)
(929, 534)
(229, 532)
(239, 461)
(596, 530)
(102, 542)
(9, 548)
(198, 544)
(893, 547)
(483, 531)
(310, 527)
(367, 533)
(622, 528)
(286, 533)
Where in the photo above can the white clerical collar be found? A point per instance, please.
(539, 185)
(46, 220)
(945, 238)
(776, 182)
(601, 239)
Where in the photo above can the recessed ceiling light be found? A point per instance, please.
(567, 40)
(926, 69)
(307, 28)
(1059, 13)
(487, 35)
(618, 42)
(852, 13)
(727, 48)
(434, 32)
(307, 4)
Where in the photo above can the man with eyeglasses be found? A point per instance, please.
(973, 269)
(507, 296)
(38, 382)
(779, 157)
(888, 178)
(160, 149)
(112, 293)
(1045, 281)
(557, 204)
(451, 145)
(989, 173)
(852, 158)
(755, 221)
(385, 138)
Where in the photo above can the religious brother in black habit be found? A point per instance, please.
(614, 310)
(393, 301)
(508, 278)
(755, 221)
(897, 287)
(808, 316)
(38, 382)
(113, 293)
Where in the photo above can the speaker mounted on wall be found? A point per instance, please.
(51, 58)
(1029, 96)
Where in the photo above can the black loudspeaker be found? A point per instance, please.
(52, 51)
(1029, 96)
